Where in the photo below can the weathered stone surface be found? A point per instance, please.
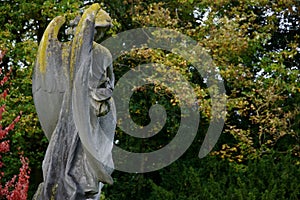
(72, 88)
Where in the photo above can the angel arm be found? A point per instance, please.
(88, 77)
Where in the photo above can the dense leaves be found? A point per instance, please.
(14, 188)
(255, 46)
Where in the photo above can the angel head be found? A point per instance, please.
(102, 23)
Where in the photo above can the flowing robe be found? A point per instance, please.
(72, 88)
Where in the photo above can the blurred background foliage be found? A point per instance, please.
(255, 46)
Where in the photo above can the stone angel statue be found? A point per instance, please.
(72, 87)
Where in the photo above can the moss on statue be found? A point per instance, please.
(78, 39)
(51, 32)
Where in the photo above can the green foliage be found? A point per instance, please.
(255, 45)
(23, 26)
(259, 77)
(274, 176)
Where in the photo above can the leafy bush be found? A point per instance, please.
(17, 187)
(275, 176)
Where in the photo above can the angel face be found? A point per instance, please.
(102, 19)
(102, 23)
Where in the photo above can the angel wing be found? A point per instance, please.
(50, 76)
(61, 79)
(56, 64)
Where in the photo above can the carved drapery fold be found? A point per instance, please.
(72, 88)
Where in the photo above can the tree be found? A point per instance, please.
(23, 26)
(261, 73)
(17, 187)
(255, 45)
